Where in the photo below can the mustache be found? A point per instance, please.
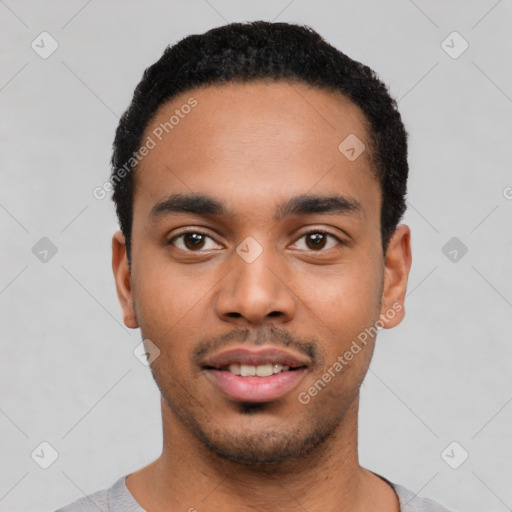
(273, 336)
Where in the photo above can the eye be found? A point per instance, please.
(318, 241)
(193, 241)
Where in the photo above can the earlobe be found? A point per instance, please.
(396, 273)
(122, 276)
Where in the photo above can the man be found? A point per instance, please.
(259, 177)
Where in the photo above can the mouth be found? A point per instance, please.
(261, 370)
(264, 375)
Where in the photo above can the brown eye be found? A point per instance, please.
(194, 241)
(317, 241)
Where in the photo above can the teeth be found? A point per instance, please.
(247, 371)
(234, 368)
(263, 370)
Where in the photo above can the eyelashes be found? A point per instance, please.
(197, 241)
(318, 241)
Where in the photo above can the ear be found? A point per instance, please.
(396, 272)
(123, 278)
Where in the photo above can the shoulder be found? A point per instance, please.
(411, 502)
(114, 499)
(92, 503)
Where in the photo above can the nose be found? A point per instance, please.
(255, 292)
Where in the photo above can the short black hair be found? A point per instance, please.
(261, 50)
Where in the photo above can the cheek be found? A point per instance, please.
(168, 298)
(344, 300)
(171, 315)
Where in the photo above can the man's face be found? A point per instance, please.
(217, 283)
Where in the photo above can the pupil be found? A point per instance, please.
(194, 240)
(317, 239)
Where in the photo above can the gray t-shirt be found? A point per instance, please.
(119, 499)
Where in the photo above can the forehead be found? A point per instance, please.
(254, 140)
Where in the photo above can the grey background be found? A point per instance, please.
(68, 374)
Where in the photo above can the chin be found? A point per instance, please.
(262, 435)
(265, 446)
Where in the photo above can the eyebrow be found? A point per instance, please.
(304, 204)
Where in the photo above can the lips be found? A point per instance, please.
(255, 375)
(252, 357)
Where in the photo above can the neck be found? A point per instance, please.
(189, 476)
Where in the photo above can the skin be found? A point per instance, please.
(252, 147)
